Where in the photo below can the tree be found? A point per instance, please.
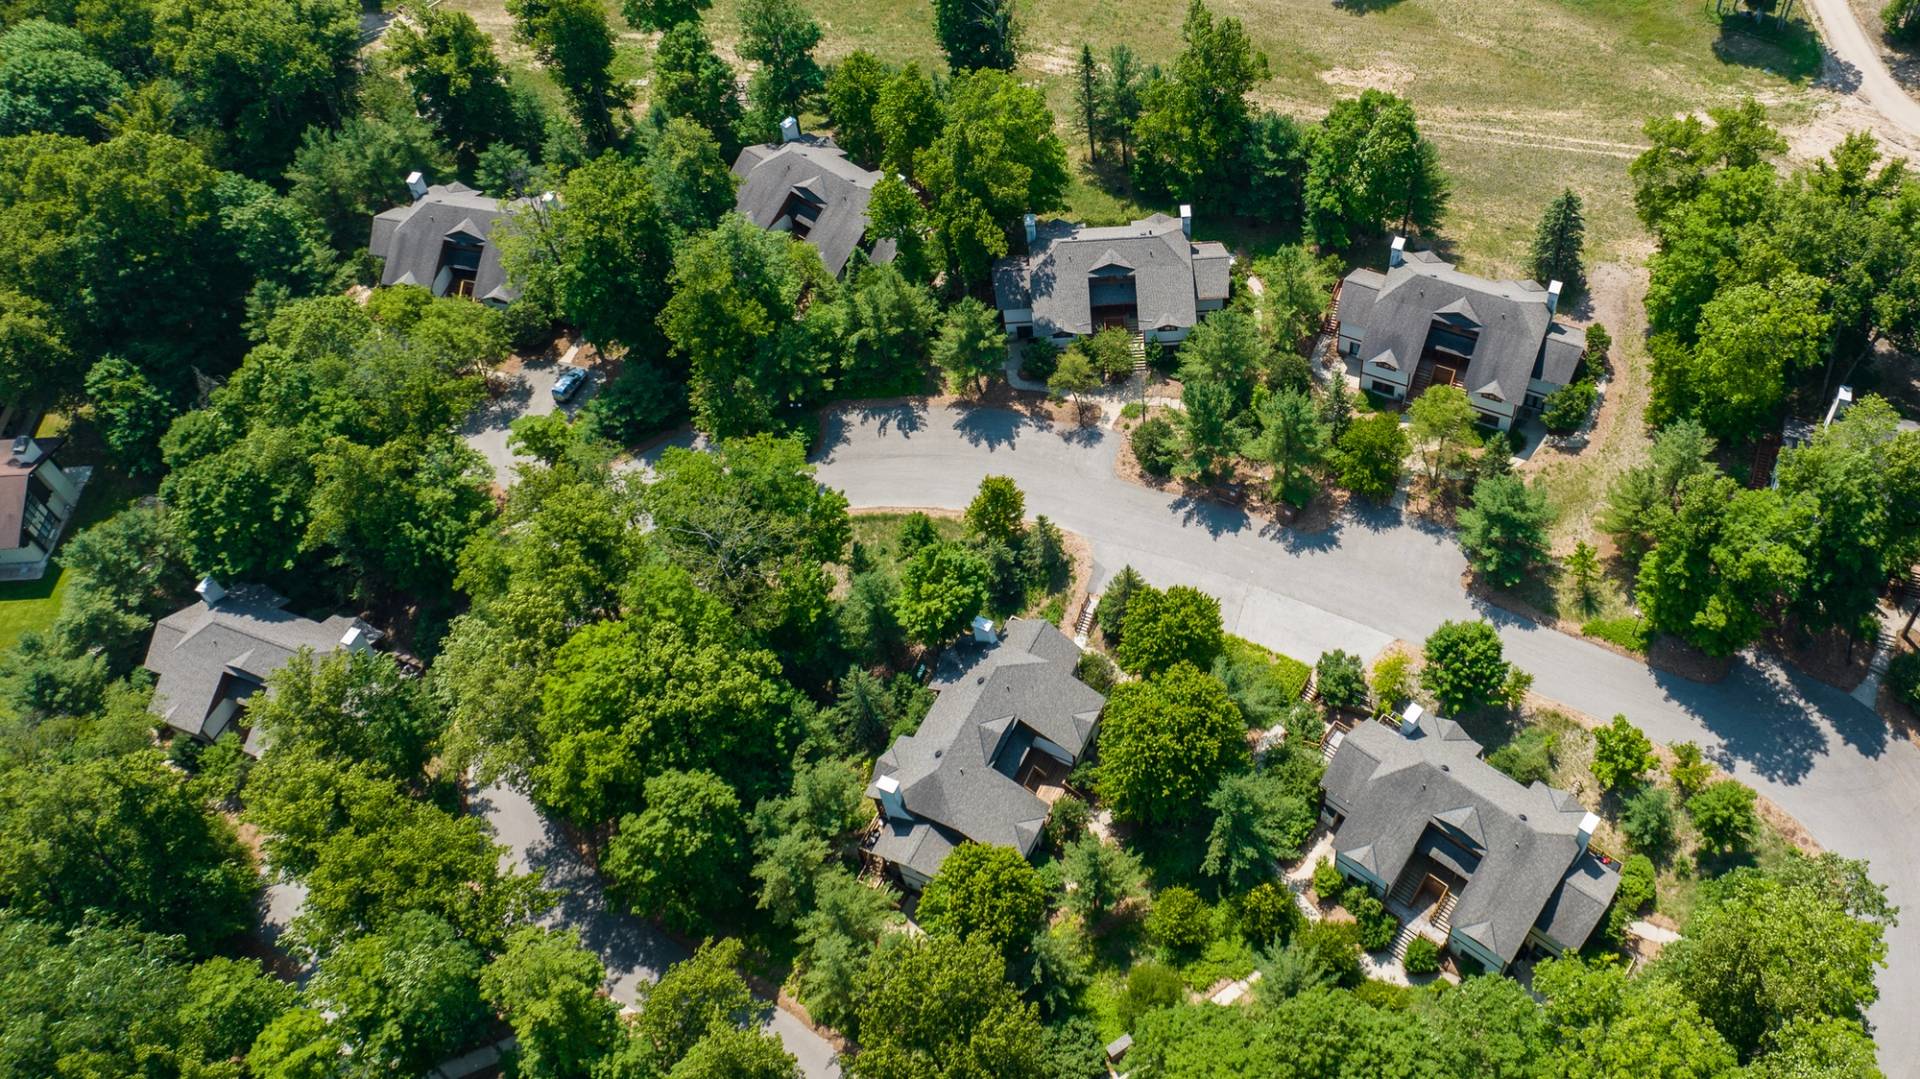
(1156, 446)
(458, 82)
(779, 36)
(1504, 532)
(1291, 440)
(1073, 376)
(51, 82)
(662, 15)
(572, 40)
(1621, 754)
(1769, 949)
(976, 33)
(547, 985)
(351, 706)
(1100, 876)
(1111, 612)
(691, 81)
(1121, 85)
(941, 1008)
(1180, 922)
(683, 856)
(1752, 339)
(1724, 814)
(405, 997)
(985, 892)
(1557, 241)
(1583, 565)
(1207, 428)
(735, 317)
(1296, 290)
(733, 1053)
(1442, 427)
(131, 412)
(941, 590)
(996, 158)
(1647, 821)
(690, 177)
(1372, 137)
(698, 998)
(1690, 772)
(1372, 453)
(1180, 625)
(1226, 349)
(998, 512)
(1723, 560)
(1342, 680)
(602, 257)
(852, 99)
(1257, 824)
(1464, 668)
(971, 347)
(836, 939)
(1598, 1020)
(910, 116)
(894, 213)
(1165, 742)
(257, 73)
(1086, 100)
(1193, 121)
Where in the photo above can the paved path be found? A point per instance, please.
(1861, 71)
(1375, 577)
(529, 394)
(635, 953)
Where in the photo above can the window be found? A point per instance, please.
(1387, 388)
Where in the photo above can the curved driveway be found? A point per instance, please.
(1861, 70)
(1376, 577)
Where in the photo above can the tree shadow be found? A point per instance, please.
(1216, 518)
(990, 426)
(1793, 51)
(1363, 7)
(836, 425)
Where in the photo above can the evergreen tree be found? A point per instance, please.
(1086, 100)
(1584, 566)
(1558, 241)
(574, 42)
(1122, 85)
(976, 33)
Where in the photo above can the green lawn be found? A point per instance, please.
(875, 534)
(30, 605)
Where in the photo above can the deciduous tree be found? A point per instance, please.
(1165, 742)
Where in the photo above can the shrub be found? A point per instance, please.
(1636, 891)
(1039, 358)
(1327, 880)
(1370, 914)
(1647, 820)
(1465, 666)
(1303, 723)
(1268, 915)
(1566, 409)
(1132, 410)
(1097, 671)
(1392, 681)
(1335, 946)
(1180, 922)
(1149, 986)
(642, 402)
(1067, 821)
(1690, 771)
(1423, 956)
(1529, 757)
(1156, 446)
(1903, 675)
(1631, 633)
(1342, 680)
(1724, 812)
(1621, 753)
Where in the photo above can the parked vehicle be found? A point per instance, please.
(569, 383)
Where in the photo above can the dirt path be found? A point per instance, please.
(1854, 65)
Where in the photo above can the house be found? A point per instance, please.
(442, 241)
(805, 185)
(37, 498)
(212, 656)
(1460, 851)
(1010, 721)
(1424, 323)
(1149, 278)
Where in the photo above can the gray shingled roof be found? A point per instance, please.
(1391, 314)
(411, 239)
(1170, 274)
(814, 169)
(206, 653)
(992, 701)
(1530, 865)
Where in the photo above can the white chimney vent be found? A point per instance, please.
(1397, 254)
(1587, 825)
(1553, 296)
(210, 591)
(355, 639)
(790, 130)
(549, 199)
(983, 630)
(416, 186)
(1033, 229)
(26, 450)
(1842, 400)
(1186, 220)
(1410, 719)
(890, 802)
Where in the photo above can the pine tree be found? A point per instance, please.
(1336, 408)
(1584, 565)
(1086, 100)
(1121, 87)
(1556, 246)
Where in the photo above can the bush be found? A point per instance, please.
(1149, 986)
(1621, 754)
(1392, 681)
(1724, 812)
(1132, 410)
(1096, 671)
(527, 324)
(1066, 821)
(1335, 946)
(1370, 914)
(1690, 771)
(1039, 358)
(1180, 922)
(640, 403)
(1342, 680)
(1156, 446)
(1567, 408)
(1423, 956)
(1268, 915)
(1647, 820)
(1327, 881)
(1529, 757)
(1303, 724)
(1636, 891)
(1903, 675)
(1631, 633)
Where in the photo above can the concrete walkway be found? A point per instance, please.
(1377, 576)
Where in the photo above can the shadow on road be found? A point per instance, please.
(991, 427)
(1216, 518)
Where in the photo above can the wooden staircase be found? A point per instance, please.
(1404, 891)
(1330, 322)
(1422, 378)
(1084, 624)
(1442, 915)
(1137, 345)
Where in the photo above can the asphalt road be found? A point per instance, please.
(530, 394)
(634, 952)
(1377, 576)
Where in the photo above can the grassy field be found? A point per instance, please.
(1521, 96)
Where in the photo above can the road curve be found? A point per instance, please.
(1861, 70)
(1376, 577)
